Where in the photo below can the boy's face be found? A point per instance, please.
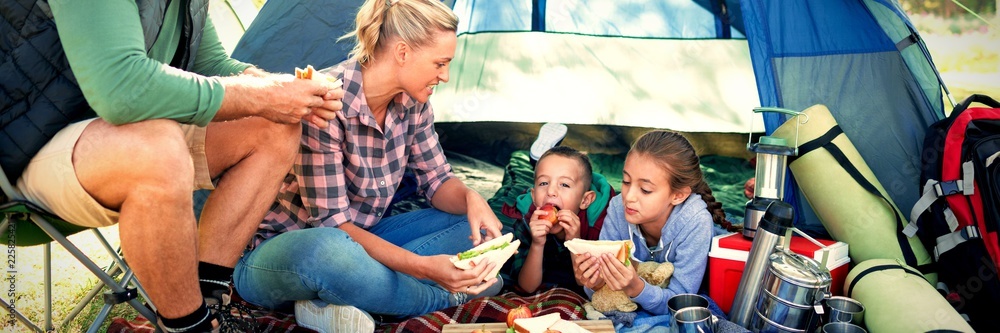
(559, 181)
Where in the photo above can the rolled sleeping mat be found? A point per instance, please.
(844, 193)
(897, 298)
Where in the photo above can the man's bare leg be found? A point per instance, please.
(253, 156)
(144, 171)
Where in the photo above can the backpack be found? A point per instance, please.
(957, 215)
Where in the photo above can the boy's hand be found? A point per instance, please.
(619, 277)
(539, 228)
(570, 223)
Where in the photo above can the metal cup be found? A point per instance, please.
(842, 327)
(693, 320)
(680, 301)
(840, 309)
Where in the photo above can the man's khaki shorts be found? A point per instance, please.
(50, 180)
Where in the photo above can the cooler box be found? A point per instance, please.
(729, 254)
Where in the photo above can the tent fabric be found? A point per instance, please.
(680, 65)
(295, 33)
(628, 18)
(845, 54)
(649, 63)
(684, 85)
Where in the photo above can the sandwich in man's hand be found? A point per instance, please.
(311, 73)
(497, 250)
(621, 249)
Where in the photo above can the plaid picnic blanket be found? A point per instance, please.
(480, 310)
(494, 309)
(268, 321)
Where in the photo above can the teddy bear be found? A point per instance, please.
(657, 274)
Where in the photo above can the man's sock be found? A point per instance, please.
(198, 321)
(214, 279)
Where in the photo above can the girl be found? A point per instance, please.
(667, 210)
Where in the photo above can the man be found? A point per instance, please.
(172, 110)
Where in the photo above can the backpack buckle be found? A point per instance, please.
(948, 188)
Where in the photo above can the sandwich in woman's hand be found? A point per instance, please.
(621, 249)
(497, 250)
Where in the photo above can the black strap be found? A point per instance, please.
(904, 244)
(826, 142)
(817, 143)
(873, 269)
(907, 41)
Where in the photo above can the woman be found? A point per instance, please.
(325, 238)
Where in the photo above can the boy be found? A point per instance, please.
(563, 178)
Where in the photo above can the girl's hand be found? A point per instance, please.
(619, 277)
(586, 270)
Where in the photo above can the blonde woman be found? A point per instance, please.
(325, 243)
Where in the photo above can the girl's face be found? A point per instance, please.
(646, 191)
(423, 68)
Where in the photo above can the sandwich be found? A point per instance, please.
(550, 322)
(621, 249)
(311, 73)
(497, 250)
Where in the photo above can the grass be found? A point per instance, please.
(966, 51)
(71, 282)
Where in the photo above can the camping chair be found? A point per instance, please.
(25, 224)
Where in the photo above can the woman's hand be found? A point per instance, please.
(586, 270)
(619, 277)
(481, 218)
(453, 279)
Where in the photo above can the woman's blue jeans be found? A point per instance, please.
(325, 263)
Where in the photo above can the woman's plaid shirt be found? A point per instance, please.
(349, 171)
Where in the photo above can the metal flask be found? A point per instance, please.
(776, 221)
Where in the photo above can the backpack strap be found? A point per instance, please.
(949, 241)
(933, 190)
(826, 142)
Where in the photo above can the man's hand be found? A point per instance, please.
(280, 98)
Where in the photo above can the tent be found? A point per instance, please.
(695, 66)
(866, 62)
(614, 68)
(679, 65)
